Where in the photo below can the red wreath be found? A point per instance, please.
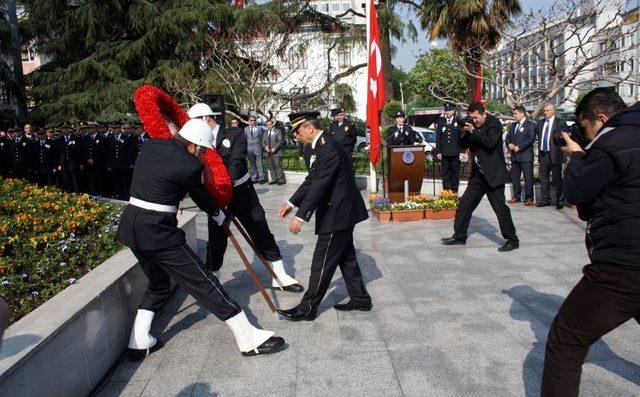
(162, 117)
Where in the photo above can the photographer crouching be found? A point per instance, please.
(603, 180)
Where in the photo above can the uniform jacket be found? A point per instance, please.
(70, 152)
(118, 152)
(135, 146)
(253, 136)
(95, 148)
(330, 190)
(21, 152)
(5, 154)
(396, 137)
(45, 156)
(485, 145)
(274, 141)
(345, 134)
(165, 172)
(232, 147)
(559, 125)
(448, 137)
(523, 136)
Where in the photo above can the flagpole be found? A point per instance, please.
(373, 176)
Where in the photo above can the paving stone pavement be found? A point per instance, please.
(447, 321)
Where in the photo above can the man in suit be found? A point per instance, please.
(231, 145)
(253, 134)
(272, 142)
(166, 171)
(95, 158)
(401, 133)
(550, 155)
(118, 162)
(343, 130)
(70, 159)
(520, 139)
(45, 159)
(448, 147)
(488, 176)
(330, 191)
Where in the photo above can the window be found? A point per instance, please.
(622, 90)
(344, 59)
(632, 90)
(345, 6)
(325, 7)
(335, 7)
(28, 55)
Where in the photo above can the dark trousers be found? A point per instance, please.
(333, 250)
(275, 168)
(44, 179)
(97, 181)
(517, 169)
(450, 167)
(119, 184)
(470, 200)
(246, 207)
(187, 269)
(70, 181)
(555, 171)
(606, 297)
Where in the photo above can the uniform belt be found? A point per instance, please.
(242, 180)
(152, 206)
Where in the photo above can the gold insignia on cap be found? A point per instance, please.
(297, 123)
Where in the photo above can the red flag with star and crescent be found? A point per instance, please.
(375, 94)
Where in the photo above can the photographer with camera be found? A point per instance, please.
(603, 180)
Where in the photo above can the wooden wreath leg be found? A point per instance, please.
(254, 248)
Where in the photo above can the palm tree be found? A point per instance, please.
(471, 26)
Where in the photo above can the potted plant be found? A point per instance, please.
(381, 208)
(407, 211)
(444, 207)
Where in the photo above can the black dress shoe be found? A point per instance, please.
(453, 241)
(296, 315)
(272, 183)
(352, 306)
(509, 246)
(559, 206)
(543, 204)
(262, 182)
(290, 288)
(281, 183)
(271, 345)
(140, 354)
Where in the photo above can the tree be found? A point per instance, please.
(471, 26)
(14, 80)
(391, 108)
(438, 77)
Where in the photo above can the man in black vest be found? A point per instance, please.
(231, 145)
(45, 159)
(550, 155)
(166, 171)
(603, 180)
(448, 147)
(400, 133)
(519, 141)
(329, 190)
(488, 176)
(70, 159)
(343, 130)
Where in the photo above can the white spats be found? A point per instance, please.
(283, 277)
(140, 338)
(247, 336)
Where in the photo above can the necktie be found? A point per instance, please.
(545, 137)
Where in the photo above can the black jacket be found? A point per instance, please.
(448, 137)
(330, 190)
(523, 137)
(5, 154)
(231, 144)
(96, 149)
(21, 153)
(485, 145)
(345, 134)
(118, 152)
(70, 152)
(45, 156)
(165, 172)
(555, 151)
(406, 137)
(136, 146)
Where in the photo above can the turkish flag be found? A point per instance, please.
(375, 94)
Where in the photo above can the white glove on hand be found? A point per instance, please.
(219, 218)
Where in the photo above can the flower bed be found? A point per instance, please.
(49, 239)
(416, 208)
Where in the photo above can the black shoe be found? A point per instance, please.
(543, 204)
(453, 241)
(262, 182)
(281, 183)
(559, 206)
(272, 345)
(272, 183)
(290, 288)
(140, 354)
(296, 315)
(509, 246)
(352, 306)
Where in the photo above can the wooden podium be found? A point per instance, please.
(406, 163)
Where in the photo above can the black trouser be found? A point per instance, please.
(187, 269)
(555, 171)
(97, 181)
(450, 167)
(517, 169)
(119, 184)
(333, 250)
(246, 207)
(70, 181)
(605, 298)
(470, 200)
(44, 179)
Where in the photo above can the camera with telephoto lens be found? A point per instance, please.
(576, 133)
(468, 120)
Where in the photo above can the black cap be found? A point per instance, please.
(400, 114)
(297, 119)
(336, 111)
(449, 106)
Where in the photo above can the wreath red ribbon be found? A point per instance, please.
(162, 117)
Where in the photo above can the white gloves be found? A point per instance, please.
(219, 218)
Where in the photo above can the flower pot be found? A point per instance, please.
(447, 213)
(408, 215)
(382, 216)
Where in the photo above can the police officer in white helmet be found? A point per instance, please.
(165, 172)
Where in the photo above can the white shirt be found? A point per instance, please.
(449, 121)
(548, 124)
(215, 135)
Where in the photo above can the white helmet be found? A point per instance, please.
(198, 132)
(199, 110)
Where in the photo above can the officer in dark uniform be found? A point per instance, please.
(231, 145)
(20, 155)
(448, 148)
(401, 133)
(5, 154)
(137, 140)
(118, 163)
(45, 159)
(343, 130)
(329, 190)
(165, 172)
(95, 158)
(70, 159)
